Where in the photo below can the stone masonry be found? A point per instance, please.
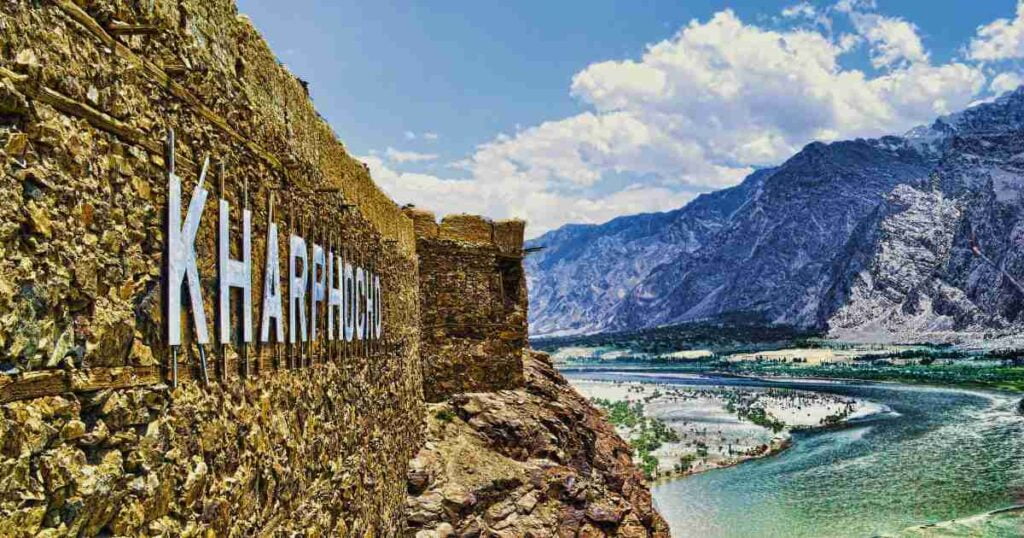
(93, 441)
(472, 303)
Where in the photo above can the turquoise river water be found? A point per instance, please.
(939, 454)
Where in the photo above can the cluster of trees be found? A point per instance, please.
(685, 462)
(759, 416)
(729, 332)
(963, 373)
(647, 434)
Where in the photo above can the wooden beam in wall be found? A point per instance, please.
(30, 385)
(162, 79)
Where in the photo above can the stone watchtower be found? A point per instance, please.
(472, 303)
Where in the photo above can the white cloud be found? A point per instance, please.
(426, 135)
(1002, 39)
(544, 208)
(695, 112)
(893, 41)
(1005, 82)
(847, 6)
(848, 42)
(408, 156)
(425, 190)
(738, 95)
(803, 9)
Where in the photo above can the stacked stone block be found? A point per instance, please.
(473, 303)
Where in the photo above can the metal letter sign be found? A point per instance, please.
(378, 310)
(272, 290)
(350, 294)
(181, 252)
(181, 261)
(335, 297)
(348, 285)
(317, 287)
(360, 301)
(297, 290)
(235, 274)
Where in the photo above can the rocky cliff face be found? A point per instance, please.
(941, 258)
(900, 238)
(540, 461)
(585, 272)
(892, 259)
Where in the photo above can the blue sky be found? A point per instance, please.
(581, 111)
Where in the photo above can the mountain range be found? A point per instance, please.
(900, 238)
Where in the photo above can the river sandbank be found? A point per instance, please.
(1008, 523)
(720, 426)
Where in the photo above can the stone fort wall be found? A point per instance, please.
(92, 438)
(473, 303)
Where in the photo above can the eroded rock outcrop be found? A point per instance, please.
(891, 286)
(540, 461)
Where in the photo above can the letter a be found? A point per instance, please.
(272, 290)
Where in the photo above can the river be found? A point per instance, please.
(939, 454)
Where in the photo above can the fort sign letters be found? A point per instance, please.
(319, 280)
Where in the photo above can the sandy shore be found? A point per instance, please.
(721, 426)
(1006, 522)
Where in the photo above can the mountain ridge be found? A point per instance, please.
(783, 243)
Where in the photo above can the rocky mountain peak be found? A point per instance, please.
(838, 237)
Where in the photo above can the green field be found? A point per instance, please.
(757, 350)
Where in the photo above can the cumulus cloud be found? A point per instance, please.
(848, 42)
(695, 112)
(426, 135)
(545, 208)
(803, 9)
(735, 94)
(847, 6)
(399, 156)
(1004, 82)
(893, 40)
(1002, 39)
